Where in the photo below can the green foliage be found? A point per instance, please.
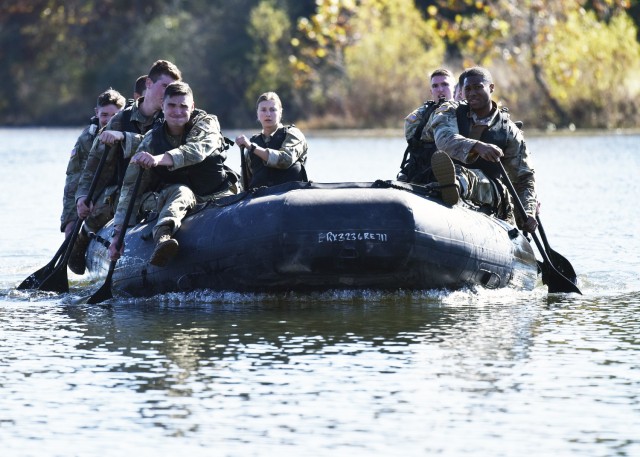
(365, 62)
(346, 63)
(270, 30)
(592, 66)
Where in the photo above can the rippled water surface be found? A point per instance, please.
(496, 373)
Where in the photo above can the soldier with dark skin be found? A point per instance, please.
(183, 162)
(109, 103)
(477, 128)
(126, 129)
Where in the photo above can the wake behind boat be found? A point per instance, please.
(312, 236)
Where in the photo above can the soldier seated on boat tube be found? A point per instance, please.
(467, 131)
(416, 163)
(181, 173)
(109, 103)
(278, 153)
(126, 129)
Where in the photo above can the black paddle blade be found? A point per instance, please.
(57, 281)
(562, 265)
(34, 280)
(556, 281)
(102, 294)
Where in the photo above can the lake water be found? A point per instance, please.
(488, 373)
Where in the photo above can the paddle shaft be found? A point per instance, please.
(560, 282)
(104, 293)
(243, 169)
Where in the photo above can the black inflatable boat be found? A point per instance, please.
(310, 236)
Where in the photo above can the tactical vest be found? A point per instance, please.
(202, 178)
(416, 163)
(263, 175)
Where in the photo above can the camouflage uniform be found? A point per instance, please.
(293, 149)
(443, 129)
(79, 155)
(416, 163)
(174, 200)
(106, 193)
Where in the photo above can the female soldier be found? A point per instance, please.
(278, 153)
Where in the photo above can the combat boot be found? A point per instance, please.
(77, 257)
(166, 247)
(445, 174)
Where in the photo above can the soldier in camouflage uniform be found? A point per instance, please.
(126, 129)
(184, 161)
(416, 163)
(109, 103)
(466, 131)
(278, 153)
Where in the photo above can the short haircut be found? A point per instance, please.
(478, 71)
(164, 67)
(177, 88)
(269, 96)
(111, 97)
(141, 84)
(441, 72)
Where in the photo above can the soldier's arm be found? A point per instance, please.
(293, 147)
(444, 125)
(204, 139)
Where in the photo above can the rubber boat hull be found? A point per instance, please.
(310, 236)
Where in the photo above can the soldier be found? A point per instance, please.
(109, 103)
(184, 156)
(477, 128)
(278, 153)
(416, 163)
(127, 129)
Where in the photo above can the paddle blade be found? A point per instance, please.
(102, 294)
(555, 281)
(562, 265)
(34, 280)
(57, 281)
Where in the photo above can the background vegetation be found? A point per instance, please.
(335, 63)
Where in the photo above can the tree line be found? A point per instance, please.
(335, 63)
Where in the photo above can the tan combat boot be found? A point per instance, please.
(166, 247)
(77, 257)
(445, 174)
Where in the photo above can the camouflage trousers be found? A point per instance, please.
(174, 201)
(103, 210)
(483, 192)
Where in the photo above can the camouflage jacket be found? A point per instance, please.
(293, 149)
(129, 145)
(204, 139)
(443, 129)
(77, 160)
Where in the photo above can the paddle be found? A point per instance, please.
(104, 293)
(243, 170)
(561, 264)
(555, 281)
(53, 276)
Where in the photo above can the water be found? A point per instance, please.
(339, 373)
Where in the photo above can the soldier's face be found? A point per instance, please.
(177, 111)
(478, 91)
(105, 113)
(269, 113)
(441, 87)
(155, 90)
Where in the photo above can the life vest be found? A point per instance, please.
(262, 175)
(204, 178)
(134, 127)
(416, 163)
